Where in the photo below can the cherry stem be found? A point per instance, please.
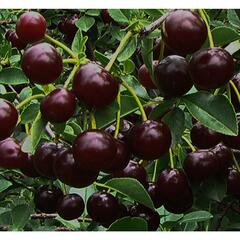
(71, 76)
(236, 163)
(144, 116)
(118, 50)
(171, 158)
(155, 171)
(29, 99)
(93, 120)
(235, 90)
(61, 45)
(210, 37)
(189, 143)
(118, 117)
(27, 128)
(85, 119)
(70, 60)
(229, 92)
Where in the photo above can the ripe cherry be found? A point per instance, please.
(42, 64)
(58, 106)
(106, 16)
(133, 170)
(13, 38)
(29, 169)
(70, 207)
(211, 68)
(234, 99)
(46, 198)
(172, 76)
(44, 158)
(233, 183)
(189, 26)
(203, 137)
(11, 154)
(31, 27)
(155, 194)
(94, 150)
(149, 140)
(145, 78)
(152, 217)
(8, 118)
(95, 86)
(70, 25)
(70, 173)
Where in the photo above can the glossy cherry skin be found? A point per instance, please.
(145, 78)
(13, 38)
(233, 183)
(234, 99)
(149, 140)
(155, 194)
(70, 207)
(69, 25)
(106, 16)
(103, 207)
(203, 137)
(152, 217)
(121, 158)
(172, 76)
(211, 68)
(94, 150)
(42, 64)
(184, 31)
(44, 158)
(94, 86)
(58, 106)
(31, 27)
(133, 170)
(46, 198)
(11, 155)
(29, 169)
(66, 170)
(8, 118)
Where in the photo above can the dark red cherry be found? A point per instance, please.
(234, 99)
(172, 76)
(70, 25)
(155, 194)
(149, 140)
(211, 68)
(8, 118)
(152, 217)
(184, 31)
(95, 86)
(70, 207)
(58, 106)
(11, 154)
(103, 207)
(233, 183)
(31, 27)
(133, 170)
(29, 169)
(145, 78)
(8, 34)
(12, 37)
(42, 64)
(46, 198)
(70, 173)
(203, 137)
(94, 150)
(106, 16)
(44, 158)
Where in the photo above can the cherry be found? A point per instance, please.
(155, 194)
(106, 16)
(69, 25)
(234, 99)
(94, 150)
(103, 207)
(31, 27)
(149, 140)
(184, 31)
(58, 106)
(11, 154)
(46, 198)
(172, 76)
(121, 158)
(12, 37)
(203, 137)
(8, 118)
(94, 86)
(44, 158)
(29, 169)
(69, 172)
(133, 170)
(42, 64)
(144, 76)
(233, 183)
(152, 217)
(70, 207)
(211, 68)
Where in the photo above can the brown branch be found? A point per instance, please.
(7, 21)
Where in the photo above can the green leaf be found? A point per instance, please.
(129, 224)
(208, 109)
(27, 146)
(132, 188)
(233, 47)
(25, 93)
(10, 96)
(93, 12)
(4, 184)
(79, 43)
(233, 18)
(197, 216)
(20, 216)
(85, 23)
(29, 113)
(118, 15)
(73, 224)
(128, 66)
(155, 13)
(13, 76)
